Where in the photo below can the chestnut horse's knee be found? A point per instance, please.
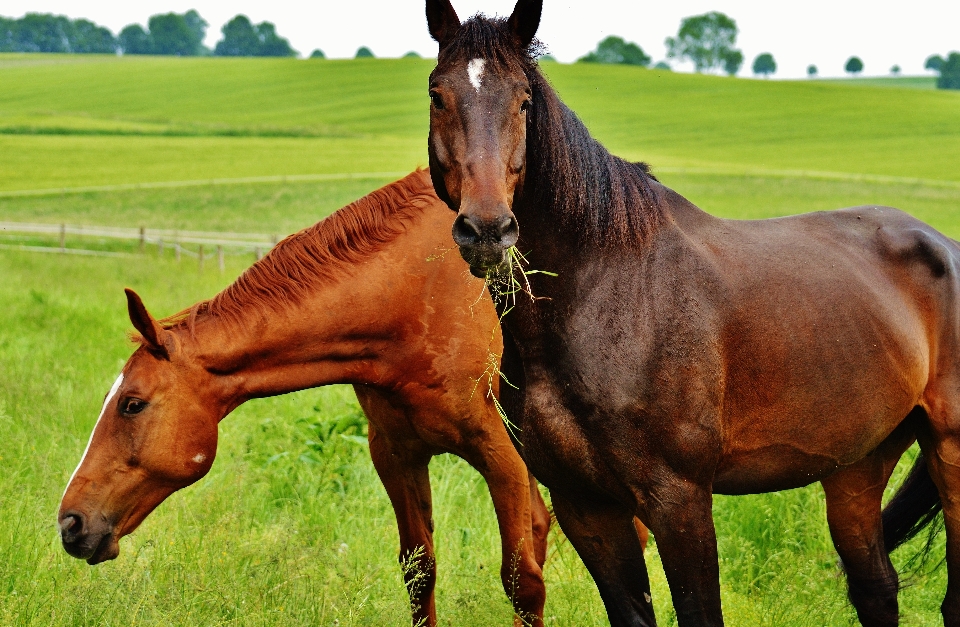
(540, 522)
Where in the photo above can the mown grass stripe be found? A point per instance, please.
(285, 178)
(809, 174)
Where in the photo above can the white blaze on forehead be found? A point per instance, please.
(103, 410)
(475, 72)
(199, 458)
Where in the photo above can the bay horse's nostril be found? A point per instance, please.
(71, 527)
(465, 232)
(509, 231)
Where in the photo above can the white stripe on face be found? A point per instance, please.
(103, 410)
(475, 72)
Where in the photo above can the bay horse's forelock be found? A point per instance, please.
(369, 297)
(677, 354)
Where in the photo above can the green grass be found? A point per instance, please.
(897, 82)
(280, 533)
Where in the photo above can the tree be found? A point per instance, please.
(172, 35)
(242, 39)
(135, 40)
(364, 53)
(616, 50)
(413, 54)
(43, 32)
(663, 65)
(197, 26)
(811, 71)
(764, 64)
(708, 41)
(895, 70)
(317, 54)
(950, 72)
(732, 60)
(934, 62)
(854, 65)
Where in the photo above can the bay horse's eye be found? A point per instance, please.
(436, 100)
(132, 406)
(525, 105)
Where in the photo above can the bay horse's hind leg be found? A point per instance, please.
(407, 479)
(853, 512)
(606, 539)
(940, 442)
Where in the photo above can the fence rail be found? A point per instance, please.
(241, 243)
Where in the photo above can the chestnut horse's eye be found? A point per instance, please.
(525, 105)
(436, 100)
(132, 406)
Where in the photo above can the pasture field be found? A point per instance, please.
(291, 526)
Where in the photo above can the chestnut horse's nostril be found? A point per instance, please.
(465, 232)
(71, 527)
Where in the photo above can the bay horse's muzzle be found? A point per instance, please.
(86, 540)
(484, 243)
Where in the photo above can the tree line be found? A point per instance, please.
(179, 34)
(709, 42)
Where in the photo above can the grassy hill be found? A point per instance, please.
(272, 536)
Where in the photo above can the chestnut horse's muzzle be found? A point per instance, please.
(484, 243)
(94, 542)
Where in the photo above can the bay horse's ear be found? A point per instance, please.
(442, 21)
(149, 329)
(525, 20)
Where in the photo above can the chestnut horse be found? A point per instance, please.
(676, 355)
(366, 297)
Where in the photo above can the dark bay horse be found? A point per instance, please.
(366, 297)
(676, 355)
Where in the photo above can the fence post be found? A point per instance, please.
(200, 255)
(63, 238)
(220, 258)
(176, 251)
(143, 237)
(160, 248)
(258, 253)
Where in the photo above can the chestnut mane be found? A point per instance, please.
(305, 260)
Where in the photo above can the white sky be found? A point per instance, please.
(821, 32)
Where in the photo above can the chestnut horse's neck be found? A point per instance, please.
(289, 326)
(571, 179)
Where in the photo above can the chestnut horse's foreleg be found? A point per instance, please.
(853, 512)
(407, 480)
(606, 539)
(511, 490)
(540, 519)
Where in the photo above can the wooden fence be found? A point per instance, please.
(196, 244)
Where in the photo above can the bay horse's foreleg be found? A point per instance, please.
(606, 539)
(853, 512)
(682, 523)
(509, 482)
(407, 480)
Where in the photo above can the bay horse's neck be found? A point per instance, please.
(575, 192)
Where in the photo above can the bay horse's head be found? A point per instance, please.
(481, 95)
(157, 433)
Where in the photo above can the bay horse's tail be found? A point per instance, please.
(915, 505)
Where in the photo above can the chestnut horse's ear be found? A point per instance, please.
(149, 329)
(525, 20)
(442, 21)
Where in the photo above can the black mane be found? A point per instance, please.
(596, 196)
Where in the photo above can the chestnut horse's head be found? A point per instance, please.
(157, 433)
(481, 95)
